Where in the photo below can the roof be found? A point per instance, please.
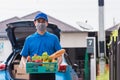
(115, 27)
(10, 19)
(109, 30)
(3, 23)
(63, 26)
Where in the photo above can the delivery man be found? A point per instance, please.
(41, 41)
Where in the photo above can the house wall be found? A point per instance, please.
(5, 49)
(73, 39)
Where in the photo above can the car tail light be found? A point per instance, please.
(62, 68)
(63, 65)
(2, 66)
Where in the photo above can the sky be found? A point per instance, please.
(68, 11)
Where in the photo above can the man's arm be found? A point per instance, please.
(23, 62)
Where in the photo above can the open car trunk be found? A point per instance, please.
(18, 31)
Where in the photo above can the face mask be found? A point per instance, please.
(41, 26)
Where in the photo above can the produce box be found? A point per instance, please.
(41, 67)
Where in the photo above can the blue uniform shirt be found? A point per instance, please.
(37, 44)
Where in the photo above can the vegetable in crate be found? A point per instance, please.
(36, 58)
(49, 59)
(29, 59)
(45, 57)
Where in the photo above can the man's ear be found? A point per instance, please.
(35, 23)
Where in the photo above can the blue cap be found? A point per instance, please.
(41, 15)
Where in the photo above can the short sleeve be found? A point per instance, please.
(57, 44)
(25, 49)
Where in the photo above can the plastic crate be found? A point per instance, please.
(46, 67)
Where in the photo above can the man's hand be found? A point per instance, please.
(59, 60)
(23, 62)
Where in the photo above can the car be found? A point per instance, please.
(9, 69)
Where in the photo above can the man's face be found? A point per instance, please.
(41, 20)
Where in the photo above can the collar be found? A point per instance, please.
(36, 33)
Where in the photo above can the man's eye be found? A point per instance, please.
(41, 20)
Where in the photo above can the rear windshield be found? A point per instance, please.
(23, 32)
